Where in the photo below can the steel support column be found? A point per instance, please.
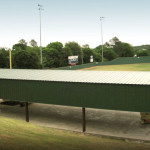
(83, 120)
(27, 111)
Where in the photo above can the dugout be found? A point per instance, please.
(113, 90)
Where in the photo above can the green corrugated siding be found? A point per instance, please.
(104, 96)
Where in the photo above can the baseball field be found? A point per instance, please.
(126, 67)
(16, 134)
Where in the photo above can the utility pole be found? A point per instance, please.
(40, 9)
(101, 19)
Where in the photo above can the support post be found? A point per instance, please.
(83, 120)
(10, 60)
(27, 111)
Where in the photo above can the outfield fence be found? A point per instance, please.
(117, 61)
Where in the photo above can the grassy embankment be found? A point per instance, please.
(16, 135)
(19, 135)
(127, 67)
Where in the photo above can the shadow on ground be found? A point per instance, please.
(102, 122)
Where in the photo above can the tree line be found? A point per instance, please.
(56, 54)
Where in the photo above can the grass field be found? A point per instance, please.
(19, 135)
(127, 67)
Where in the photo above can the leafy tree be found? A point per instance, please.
(124, 49)
(114, 41)
(86, 46)
(87, 52)
(107, 45)
(142, 47)
(26, 60)
(74, 49)
(35, 49)
(22, 41)
(108, 53)
(142, 53)
(18, 47)
(97, 57)
(33, 43)
(55, 45)
(4, 58)
(66, 52)
(52, 58)
(55, 55)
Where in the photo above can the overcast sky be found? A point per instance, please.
(75, 20)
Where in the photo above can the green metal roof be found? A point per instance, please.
(108, 77)
(113, 90)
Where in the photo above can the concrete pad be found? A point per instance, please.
(1, 100)
(103, 122)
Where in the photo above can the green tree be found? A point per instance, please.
(52, 58)
(86, 46)
(55, 45)
(23, 47)
(87, 52)
(35, 49)
(142, 47)
(124, 49)
(18, 47)
(114, 41)
(74, 49)
(97, 57)
(108, 53)
(66, 52)
(4, 58)
(107, 44)
(22, 41)
(55, 55)
(33, 43)
(26, 60)
(142, 53)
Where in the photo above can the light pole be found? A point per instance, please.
(101, 19)
(82, 54)
(40, 9)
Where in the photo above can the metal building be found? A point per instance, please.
(115, 90)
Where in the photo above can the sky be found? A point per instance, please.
(75, 20)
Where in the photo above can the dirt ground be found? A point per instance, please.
(103, 122)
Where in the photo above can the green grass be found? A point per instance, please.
(127, 67)
(19, 135)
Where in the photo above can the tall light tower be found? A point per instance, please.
(82, 54)
(101, 20)
(40, 9)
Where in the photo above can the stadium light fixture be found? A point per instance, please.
(101, 20)
(40, 9)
